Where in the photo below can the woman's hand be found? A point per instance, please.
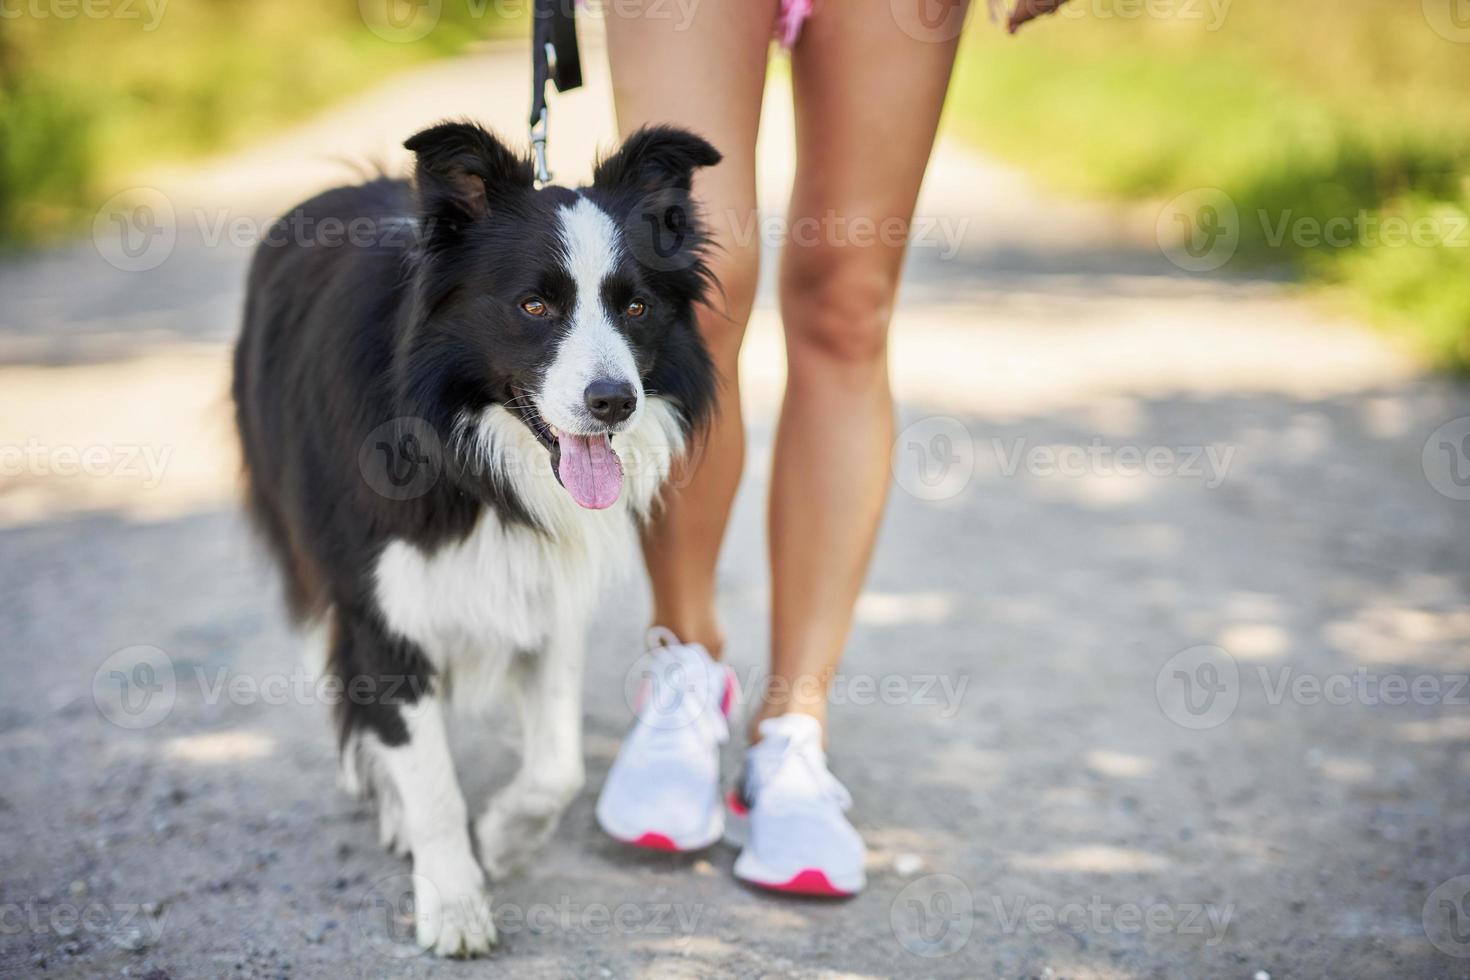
(1028, 9)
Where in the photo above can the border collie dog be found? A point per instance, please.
(451, 433)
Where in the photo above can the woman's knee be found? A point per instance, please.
(836, 304)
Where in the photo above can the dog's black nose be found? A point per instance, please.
(610, 402)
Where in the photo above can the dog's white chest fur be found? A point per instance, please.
(502, 587)
(505, 588)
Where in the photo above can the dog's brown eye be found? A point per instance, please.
(636, 308)
(534, 306)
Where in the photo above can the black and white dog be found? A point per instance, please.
(451, 430)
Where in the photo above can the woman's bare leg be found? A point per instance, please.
(868, 97)
(708, 75)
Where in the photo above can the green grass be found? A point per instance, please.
(1301, 114)
(85, 101)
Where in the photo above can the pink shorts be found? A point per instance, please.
(793, 14)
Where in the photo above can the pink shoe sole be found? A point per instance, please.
(654, 842)
(809, 882)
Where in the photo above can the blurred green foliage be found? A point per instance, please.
(1302, 114)
(85, 99)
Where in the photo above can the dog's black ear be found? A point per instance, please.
(461, 170)
(656, 158)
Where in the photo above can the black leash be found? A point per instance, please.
(554, 58)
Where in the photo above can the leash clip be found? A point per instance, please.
(538, 144)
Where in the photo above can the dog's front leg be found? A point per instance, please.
(451, 909)
(547, 687)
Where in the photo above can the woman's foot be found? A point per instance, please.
(663, 791)
(796, 837)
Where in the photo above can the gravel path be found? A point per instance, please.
(1161, 670)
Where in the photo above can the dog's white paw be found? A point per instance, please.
(452, 912)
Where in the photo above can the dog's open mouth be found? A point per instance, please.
(586, 466)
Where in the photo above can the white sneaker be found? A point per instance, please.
(788, 814)
(663, 791)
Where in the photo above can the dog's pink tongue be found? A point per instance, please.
(590, 470)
